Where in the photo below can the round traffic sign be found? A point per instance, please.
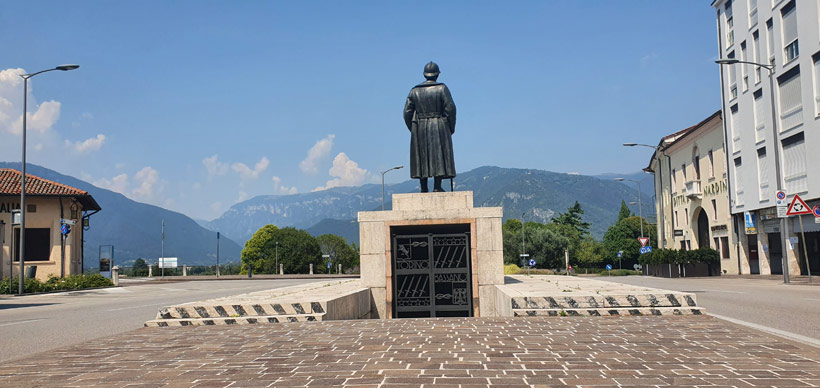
(781, 194)
(65, 229)
(816, 211)
(608, 267)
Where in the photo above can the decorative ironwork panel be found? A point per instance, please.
(431, 275)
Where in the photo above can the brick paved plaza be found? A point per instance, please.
(681, 351)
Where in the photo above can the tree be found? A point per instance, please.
(140, 267)
(624, 212)
(543, 243)
(623, 236)
(573, 219)
(339, 251)
(590, 253)
(297, 250)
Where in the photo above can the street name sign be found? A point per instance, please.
(68, 222)
(798, 207)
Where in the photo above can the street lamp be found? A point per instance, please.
(23, 178)
(662, 239)
(277, 256)
(385, 172)
(776, 140)
(640, 207)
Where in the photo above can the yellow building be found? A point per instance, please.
(49, 205)
(692, 193)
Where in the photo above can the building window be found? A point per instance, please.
(674, 182)
(817, 83)
(696, 162)
(756, 54)
(711, 164)
(752, 12)
(738, 182)
(717, 242)
(760, 116)
(38, 244)
(734, 129)
(724, 247)
(794, 164)
(686, 213)
(791, 102)
(730, 24)
(763, 174)
(743, 73)
(683, 171)
(770, 40)
(732, 78)
(789, 16)
(714, 209)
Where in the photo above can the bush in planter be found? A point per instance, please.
(705, 255)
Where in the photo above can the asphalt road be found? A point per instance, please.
(789, 310)
(36, 323)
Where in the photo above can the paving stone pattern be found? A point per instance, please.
(684, 351)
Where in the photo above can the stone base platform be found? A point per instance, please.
(315, 301)
(554, 295)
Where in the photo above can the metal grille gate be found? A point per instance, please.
(442, 258)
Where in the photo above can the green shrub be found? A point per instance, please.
(620, 272)
(511, 269)
(73, 282)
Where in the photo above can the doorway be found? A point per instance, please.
(432, 276)
(754, 257)
(703, 229)
(775, 254)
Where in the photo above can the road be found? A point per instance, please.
(766, 304)
(37, 323)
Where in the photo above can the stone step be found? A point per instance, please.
(221, 321)
(606, 312)
(604, 301)
(195, 311)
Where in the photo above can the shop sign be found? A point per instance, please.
(715, 188)
(751, 222)
(7, 207)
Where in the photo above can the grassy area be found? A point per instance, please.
(619, 272)
(512, 269)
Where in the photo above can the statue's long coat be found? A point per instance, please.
(430, 115)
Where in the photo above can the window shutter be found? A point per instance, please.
(738, 182)
(789, 25)
(763, 173)
(794, 164)
(791, 109)
(817, 83)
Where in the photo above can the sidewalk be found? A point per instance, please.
(691, 351)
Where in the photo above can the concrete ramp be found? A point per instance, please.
(554, 295)
(316, 301)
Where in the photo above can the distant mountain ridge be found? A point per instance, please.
(541, 194)
(134, 228)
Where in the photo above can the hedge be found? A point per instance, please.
(671, 256)
(73, 282)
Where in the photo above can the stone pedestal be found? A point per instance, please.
(432, 209)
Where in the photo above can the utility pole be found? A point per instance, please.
(217, 254)
(162, 251)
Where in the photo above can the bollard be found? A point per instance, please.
(184, 270)
(115, 276)
(339, 270)
(281, 269)
(250, 270)
(311, 269)
(150, 271)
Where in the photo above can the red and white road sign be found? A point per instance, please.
(816, 211)
(643, 240)
(798, 207)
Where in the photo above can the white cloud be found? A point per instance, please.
(246, 172)
(278, 188)
(242, 196)
(118, 183)
(87, 145)
(316, 154)
(346, 173)
(146, 183)
(40, 117)
(216, 208)
(214, 166)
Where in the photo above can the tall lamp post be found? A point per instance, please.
(640, 206)
(23, 178)
(385, 172)
(776, 140)
(277, 256)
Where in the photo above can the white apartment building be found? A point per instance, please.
(692, 192)
(764, 132)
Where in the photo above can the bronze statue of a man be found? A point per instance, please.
(430, 115)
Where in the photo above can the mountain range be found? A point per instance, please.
(135, 228)
(539, 194)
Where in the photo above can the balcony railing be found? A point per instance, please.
(692, 189)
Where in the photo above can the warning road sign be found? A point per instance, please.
(643, 240)
(798, 207)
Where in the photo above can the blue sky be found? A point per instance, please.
(195, 105)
